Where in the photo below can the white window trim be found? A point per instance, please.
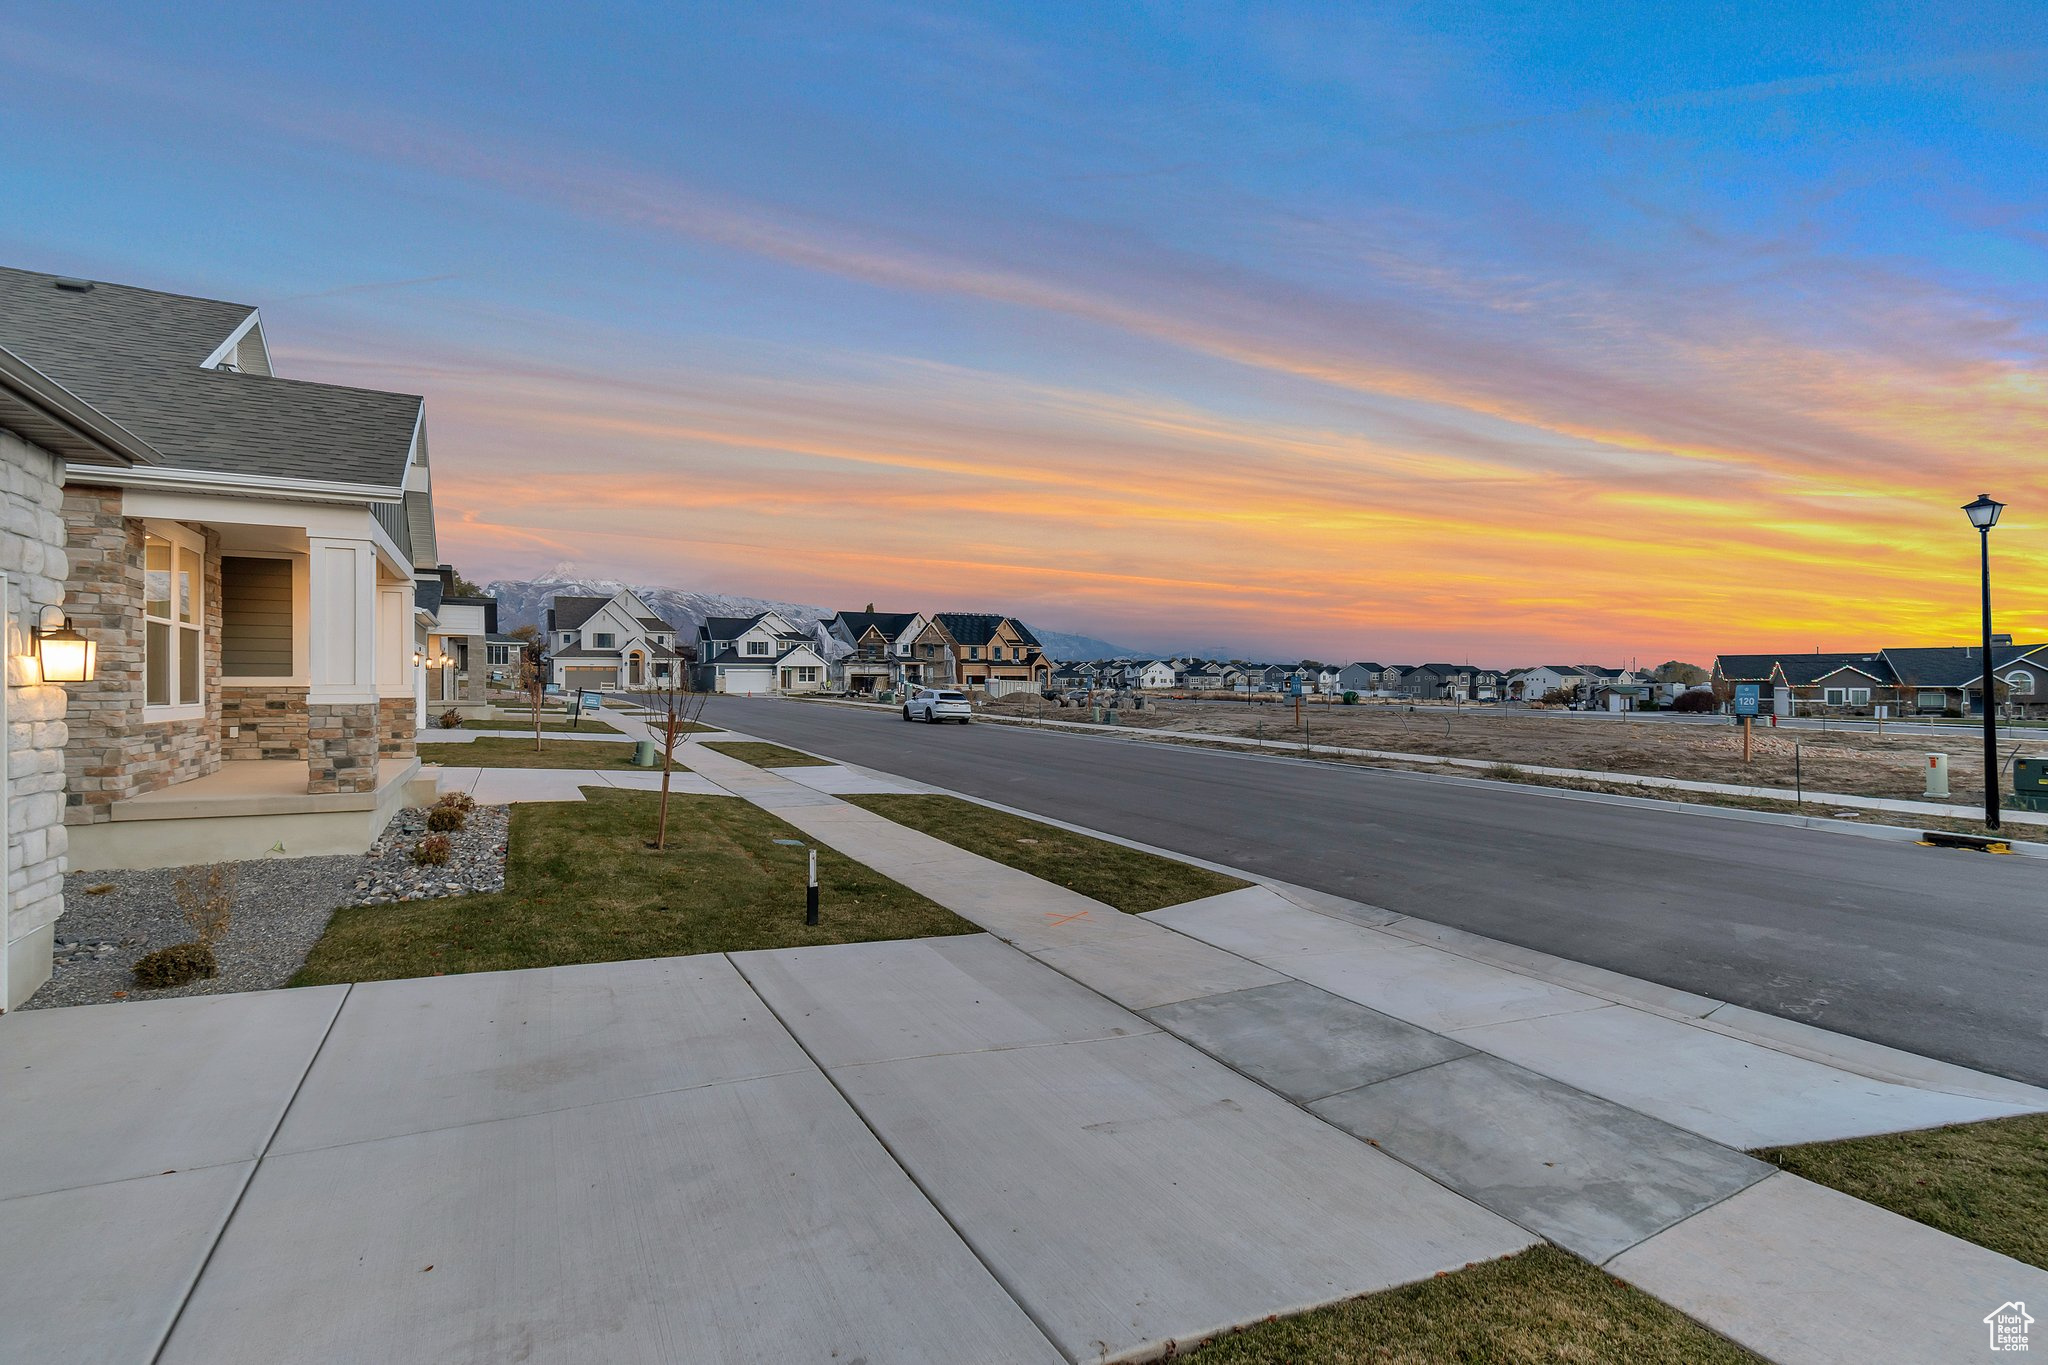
(178, 536)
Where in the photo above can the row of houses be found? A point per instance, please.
(1934, 681)
(225, 613)
(1415, 682)
(618, 642)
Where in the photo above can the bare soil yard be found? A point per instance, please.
(1855, 762)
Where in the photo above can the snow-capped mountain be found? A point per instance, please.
(522, 602)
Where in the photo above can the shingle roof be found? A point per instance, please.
(968, 627)
(890, 623)
(653, 623)
(135, 355)
(1745, 667)
(571, 612)
(1801, 669)
(426, 594)
(1950, 665)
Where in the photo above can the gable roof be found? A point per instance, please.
(729, 627)
(967, 627)
(571, 612)
(890, 623)
(1799, 670)
(138, 356)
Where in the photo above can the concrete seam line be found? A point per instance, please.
(185, 1299)
(908, 1174)
(1768, 1172)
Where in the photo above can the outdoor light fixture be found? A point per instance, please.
(1983, 514)
(63, 655)
(443, 661)
(418, 658)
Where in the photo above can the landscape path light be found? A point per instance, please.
(1983, 514)
(811, 887)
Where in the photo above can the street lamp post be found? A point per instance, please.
(1983, 514)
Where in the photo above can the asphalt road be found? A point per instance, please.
(1941, 953)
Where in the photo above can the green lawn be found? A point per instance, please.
(766, 755)
(548, 727)
(581, 885)
(1540, 1307)
(1115, 875)
(1984, 1182)
(513, 752)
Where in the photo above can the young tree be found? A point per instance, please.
(524, 632)
(676, 705)
(533, 680)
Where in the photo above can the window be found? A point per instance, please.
(1931, 701)
(974, 651)
(461, 656)
(757, 646)
(809, 675)
(1859, 696)
(1835, 696)
(499, 656)
(2020, 681)
(255, 617)
(604, 640)
(173, 650)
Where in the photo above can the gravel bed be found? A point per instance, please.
(282, 906)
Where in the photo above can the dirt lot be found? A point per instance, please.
(1834, 761)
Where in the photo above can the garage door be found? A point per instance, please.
(599, 679)
(748, 680)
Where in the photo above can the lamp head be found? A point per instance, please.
(62, 654)
(1983, 513)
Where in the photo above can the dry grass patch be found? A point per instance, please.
(547, 727)
(766, 755)
(581, 885)
(1539, 1307)
(509, 752)
(1984, 1182)
(1126, 878)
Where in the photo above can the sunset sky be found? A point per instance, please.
(1355, 331)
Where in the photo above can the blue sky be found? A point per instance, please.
(1364, 331)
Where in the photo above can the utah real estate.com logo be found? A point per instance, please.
(2008, 1324)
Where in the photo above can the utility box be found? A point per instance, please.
(2030, 783)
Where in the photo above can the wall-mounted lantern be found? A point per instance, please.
(63, 655)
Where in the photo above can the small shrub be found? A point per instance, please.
(446, 818)
(1697, 701)
(461, 801)
(1504, 772)
(1351, 699)
(432, 851)
(450, 720)
(174, 966)
(208, 901)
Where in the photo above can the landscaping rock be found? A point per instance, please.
(282, 906)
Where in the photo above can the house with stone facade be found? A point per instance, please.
(250, 588)
(45, 430)
(878, 650)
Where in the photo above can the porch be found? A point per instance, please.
(246, 809)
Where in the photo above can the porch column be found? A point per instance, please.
(341, 700)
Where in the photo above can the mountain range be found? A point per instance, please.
(522, 602)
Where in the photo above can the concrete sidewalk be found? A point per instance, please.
(1613, 1129)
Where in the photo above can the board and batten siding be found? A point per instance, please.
(256, 617)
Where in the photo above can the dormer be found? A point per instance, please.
(244, 351)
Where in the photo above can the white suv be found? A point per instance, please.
(935, 704)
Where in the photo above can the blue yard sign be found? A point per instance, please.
(1746, 697)
(590, 701)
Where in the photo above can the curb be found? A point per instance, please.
(1844, 1052)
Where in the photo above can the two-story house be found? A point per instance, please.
(983, 649)
(757, 655)
(879, 650)
(455, 666)
(609, 644)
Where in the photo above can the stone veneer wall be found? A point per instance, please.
(32, 556)
(113, 753)
(397, 727)
(271, 721)
(342, 743)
